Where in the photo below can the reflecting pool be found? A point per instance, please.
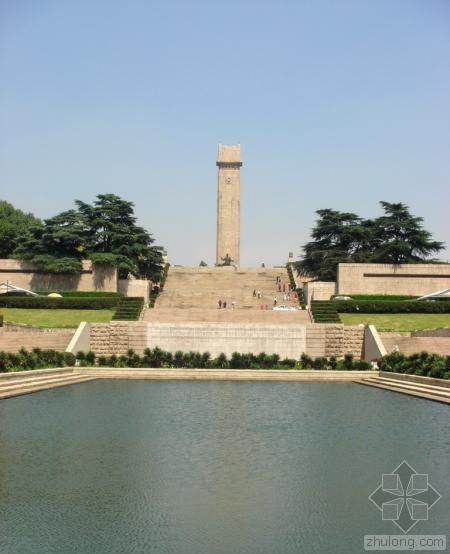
(212, 467)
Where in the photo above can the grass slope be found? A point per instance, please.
(54, 318)
(398, 322)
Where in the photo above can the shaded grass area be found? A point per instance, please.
(398, 322)
(54, 318)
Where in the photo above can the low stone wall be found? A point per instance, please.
(285, 340)
(26, 275)
(12, 338)
(228, 374)
(134, 287)
(408, 279)
(318, 290)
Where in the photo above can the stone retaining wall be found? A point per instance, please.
(27, 275)
(408, 279)
(285, 340)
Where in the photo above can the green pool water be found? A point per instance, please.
(213, 467)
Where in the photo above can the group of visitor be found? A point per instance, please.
(223, 304)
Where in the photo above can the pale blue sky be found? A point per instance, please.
(337, 104)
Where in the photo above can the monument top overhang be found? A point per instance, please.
(229, 154)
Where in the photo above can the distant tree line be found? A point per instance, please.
(104, 232)
(397, 237)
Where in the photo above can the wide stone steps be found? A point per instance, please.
(430, 392)
(409, 344)
(214, 315)
(18, 383)
(203, 287)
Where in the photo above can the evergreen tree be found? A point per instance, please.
(14, 224)
(104, 232)
(399, 237)
(338, 237)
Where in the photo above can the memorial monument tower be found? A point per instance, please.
(228, 203)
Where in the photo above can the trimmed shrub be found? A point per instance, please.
(82, 294)
(38, 358)
(45, 303)
(426, 364)
(376, 297)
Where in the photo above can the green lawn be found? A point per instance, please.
(54, 318)
(399, 322)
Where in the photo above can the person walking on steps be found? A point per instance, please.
(220, 304)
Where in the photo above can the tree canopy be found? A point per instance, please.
(104, 232)
(397, 237)
(13, 224)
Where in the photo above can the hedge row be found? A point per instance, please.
(37, 359)
(33, 302)
(378, 297)
(298, 290)
(382, 307)
(159, 358)
(82, 294)
(423, 363)
(34, 359)
(66, 294)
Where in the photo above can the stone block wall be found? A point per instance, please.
(353, 341)
(116, 337)
(334, 340)
(288, 341)
(408, 279)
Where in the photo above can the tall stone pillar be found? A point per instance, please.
(228, 203)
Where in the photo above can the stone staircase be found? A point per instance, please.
(26, 382)
(192, 294)
(13, 338)
(411, 343)
(413, 387)
(214, 315)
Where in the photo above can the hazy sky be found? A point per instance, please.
(337, 104)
